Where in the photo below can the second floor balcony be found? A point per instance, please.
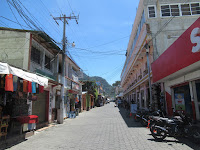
(69, 83)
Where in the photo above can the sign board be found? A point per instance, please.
(133, 108)
(184, 52)
(75, 78)
(179, 101)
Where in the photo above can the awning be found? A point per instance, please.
(120, 95)
(7, 69)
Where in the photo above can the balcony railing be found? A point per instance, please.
(145, 72)
(139, 77)
(137, 42)
(67, 81)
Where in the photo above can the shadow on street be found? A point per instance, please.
(132, 124)
(129, 120)
(11, 141)
(184, 141)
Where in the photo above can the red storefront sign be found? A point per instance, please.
(73, 92)
(182, 53)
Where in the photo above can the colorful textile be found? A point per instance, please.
(2, 81)
(9, 83)
(20, 84)
(28, 119)
(15, 79)
(37, 88)
(41, 89)
(29, 87)
(33, 87)
(25, 86)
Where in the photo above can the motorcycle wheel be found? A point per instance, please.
(151, 125)
(157, 133)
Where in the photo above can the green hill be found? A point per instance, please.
(105, 85)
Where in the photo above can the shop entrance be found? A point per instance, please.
(39, 107)
(182, 99)
(198, 95)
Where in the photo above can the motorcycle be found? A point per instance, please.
(138, 115)
(177, 126)
(148, 117)
(154, 118)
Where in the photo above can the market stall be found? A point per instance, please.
(18, 88)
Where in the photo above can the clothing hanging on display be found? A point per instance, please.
(25, 86)
(41, 89)
(33, 87)
(15, 79)
(9, 83)
(29, 87)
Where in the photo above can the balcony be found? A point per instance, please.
(135, 81)
(75, 86)
(139, 77)
(145, 72)
(135, 50)
(67, 82)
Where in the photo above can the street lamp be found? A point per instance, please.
(73, 44)
(148, 67)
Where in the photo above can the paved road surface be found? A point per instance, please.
(103, 128)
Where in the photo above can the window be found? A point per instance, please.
(152, 11)
(195, 8)
(185, 8)
(180, 9)
(35, 55)
(47, 62)
(165, 10)
(174, 10)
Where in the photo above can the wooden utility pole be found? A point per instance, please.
(64, 18)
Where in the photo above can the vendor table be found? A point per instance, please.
(28, 123)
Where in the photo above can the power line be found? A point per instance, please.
(109, 42)
(162, 28)
(13, 22)
(14, 14)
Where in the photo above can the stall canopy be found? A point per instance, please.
(7, 69)
(120, 95)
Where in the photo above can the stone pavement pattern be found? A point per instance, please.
(101, 128)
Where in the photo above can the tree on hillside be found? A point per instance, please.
(116, 83)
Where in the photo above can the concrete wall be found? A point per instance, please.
(44, 51)
(172, 31)
(14, 48)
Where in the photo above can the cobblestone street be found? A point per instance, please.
(102, 128)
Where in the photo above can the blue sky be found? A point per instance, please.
(101, 37)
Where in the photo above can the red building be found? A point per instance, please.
(178, 69)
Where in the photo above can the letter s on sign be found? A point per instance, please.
(195, 39)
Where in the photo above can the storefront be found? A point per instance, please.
(178, 70)
(18, 93)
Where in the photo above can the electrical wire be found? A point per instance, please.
(14, 14)
(162, 28)
(13, 22)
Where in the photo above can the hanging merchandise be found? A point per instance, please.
(32, 97)
(25, 86)
(29, 87)
(41, 89)
(9, 83)
(15, 79)
(20, 85)
(37, 88)
(2, 81)
(7, 69)
(33, 87)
